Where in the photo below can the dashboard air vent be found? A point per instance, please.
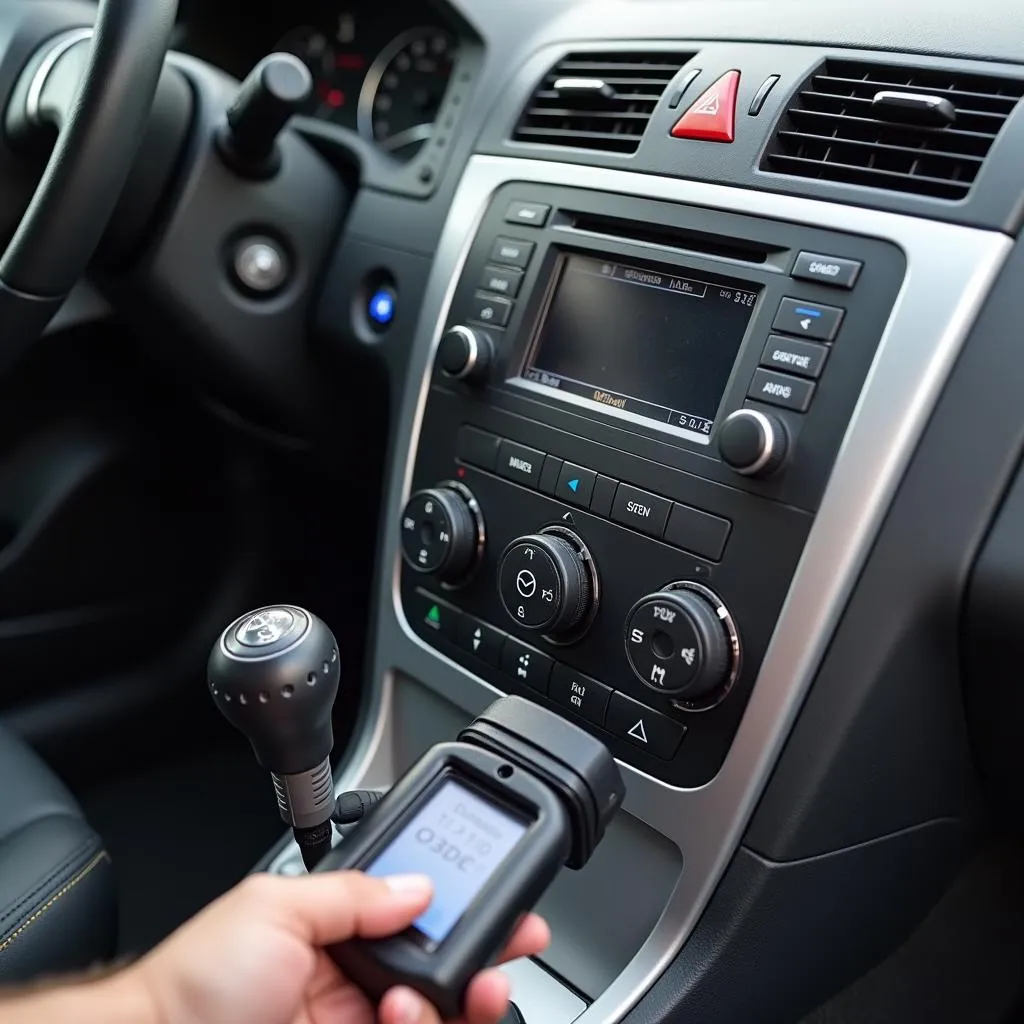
(920, 130)
(598, 100)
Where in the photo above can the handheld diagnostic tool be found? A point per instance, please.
(491, 819)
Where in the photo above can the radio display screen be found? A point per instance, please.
(645, 345)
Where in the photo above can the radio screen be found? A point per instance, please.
(459, 840)
(645, 345)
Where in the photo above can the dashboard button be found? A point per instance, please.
(697, 531)
(527, 665)
(642, 510)
(478, 448)
(806, 358)
(582, 695)
(831, 270)
(604, 496)
(808, 319)
(549, 474)
(490, 309)
(782, 390)
(644, 727)
(576, 485)
(502, 280)
(762, 94)
(480, 639)
(712, 117)
(434, 613)
(512, 252)
(534, 214)
(519, 463)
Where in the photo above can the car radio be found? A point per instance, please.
(634, 410)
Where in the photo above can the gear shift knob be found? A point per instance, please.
(274, 675)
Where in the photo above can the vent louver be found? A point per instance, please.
(598, 100)
(917, 130)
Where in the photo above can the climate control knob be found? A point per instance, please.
(752, 442)
(682, 642)
(547, 582)
(442, 532)
(465, 353)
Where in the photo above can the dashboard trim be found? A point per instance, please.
(950, 270)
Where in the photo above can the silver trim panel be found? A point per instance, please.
(58, 47)
(950, 271)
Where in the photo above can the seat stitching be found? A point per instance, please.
(29, 921)
(48, 880)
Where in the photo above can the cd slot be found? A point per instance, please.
(677, 239)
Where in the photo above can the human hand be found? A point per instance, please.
(256, 956)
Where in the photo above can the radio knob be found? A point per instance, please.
(752, 442)
(441, 533)
(678, 643)
(465, 353)
(545, 583)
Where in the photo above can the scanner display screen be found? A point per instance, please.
(459, 839)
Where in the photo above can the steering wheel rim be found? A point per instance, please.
(87, 170)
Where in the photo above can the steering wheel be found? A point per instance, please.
(87, 170)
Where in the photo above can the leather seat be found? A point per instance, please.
(58, 909)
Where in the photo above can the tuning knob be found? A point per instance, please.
(546, 583)
(465, 353)
(442, 532)
(682, 642)
(752, 442)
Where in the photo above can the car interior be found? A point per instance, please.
(655, 361)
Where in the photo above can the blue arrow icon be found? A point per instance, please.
(573, 485)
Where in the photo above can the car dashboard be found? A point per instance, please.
(690, 317)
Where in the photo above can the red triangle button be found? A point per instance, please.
(712, 117)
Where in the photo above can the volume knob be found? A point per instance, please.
(465, 353)
(752, 442)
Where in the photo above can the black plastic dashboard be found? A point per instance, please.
(838, 802)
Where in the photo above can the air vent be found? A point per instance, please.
(598, 100)
(917, 130)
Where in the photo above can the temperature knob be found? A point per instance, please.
(546, 582)
(442, 532)
(682, 642)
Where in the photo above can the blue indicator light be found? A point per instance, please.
(381, 308)
(804, 311)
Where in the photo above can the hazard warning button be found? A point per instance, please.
(712, 118)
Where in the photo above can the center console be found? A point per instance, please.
(632, 414)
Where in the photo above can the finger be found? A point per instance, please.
(338, 905)
(402, 1005)
(532, 936)
(487, 998)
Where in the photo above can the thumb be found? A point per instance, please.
(333, 906)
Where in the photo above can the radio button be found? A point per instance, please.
(808, 319)
(519, 463)
(512, 252)
(696, 531)
(830, 270)
(644, 727)
(604, 496)
(478, 448)
(576, 485)
(805, 358)
(501, 280)
(641, 510)
(549, 475)
(782, 390)
(582, 695)
(526, 664)
(490, 309)
(534, 214)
